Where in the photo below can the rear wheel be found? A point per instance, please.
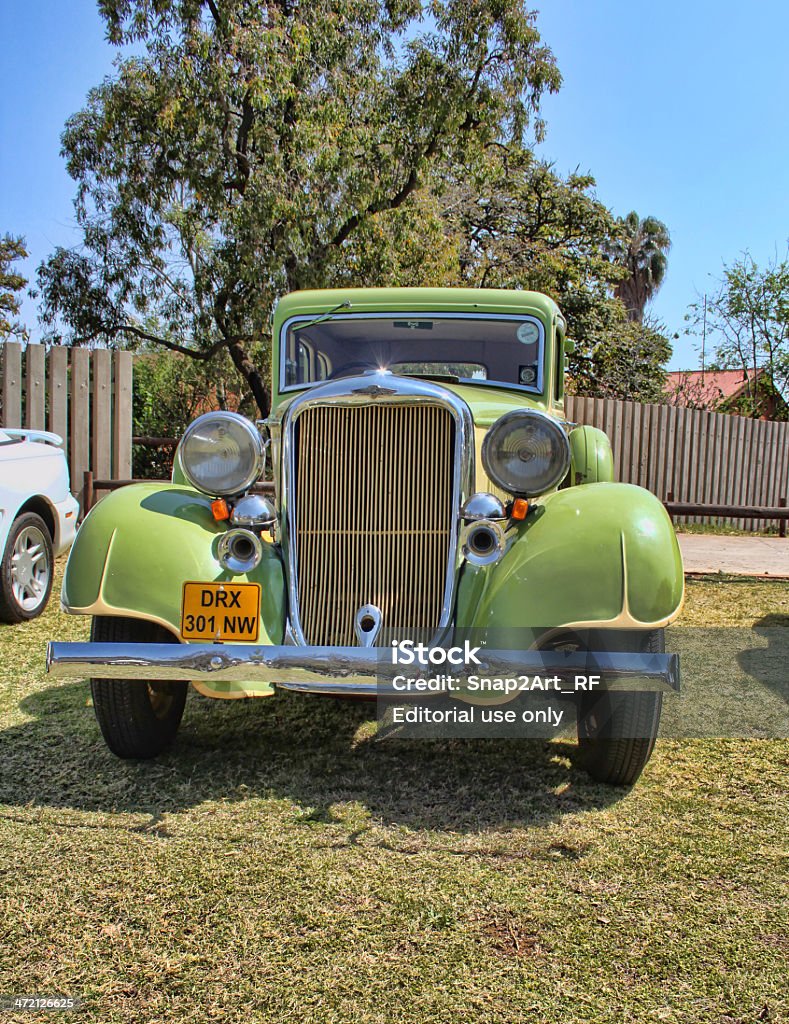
(617, 730)
(138, 719)
(26, 569)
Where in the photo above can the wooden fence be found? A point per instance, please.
(82, 394)
(689, 455)
(681, 455)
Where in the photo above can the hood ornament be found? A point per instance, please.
(375, 390)
(368, 624)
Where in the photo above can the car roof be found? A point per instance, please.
(484, 300)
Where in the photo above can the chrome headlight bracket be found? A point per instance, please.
(255, 512)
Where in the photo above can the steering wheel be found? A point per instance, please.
(347, 369)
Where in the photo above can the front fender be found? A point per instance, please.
(602, 555)
(591, 458)
(136, 548)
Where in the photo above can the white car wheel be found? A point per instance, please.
(30, 569)
(26, 571)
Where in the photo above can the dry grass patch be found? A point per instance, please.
(282, 865)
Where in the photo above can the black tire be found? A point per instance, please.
(138, 719)
(617, 731)
(26, 570)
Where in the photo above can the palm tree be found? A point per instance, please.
(641, 248)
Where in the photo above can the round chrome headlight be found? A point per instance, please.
(221, 453)
(526, 453)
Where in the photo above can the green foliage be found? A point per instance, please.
(640, 247)
(413, 246)
(11, 282)
(169, 391)
(252, 149)
(522, 225)
(748, 319)
(629, 362)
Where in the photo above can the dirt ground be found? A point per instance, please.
(740, 556)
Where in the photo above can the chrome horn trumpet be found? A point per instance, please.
(239, 551)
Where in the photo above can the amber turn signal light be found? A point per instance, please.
(220, 509)
(519, 508)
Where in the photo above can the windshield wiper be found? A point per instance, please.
(323, 316)
(450, 377)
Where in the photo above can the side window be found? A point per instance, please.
(324, 367)
(306, 361)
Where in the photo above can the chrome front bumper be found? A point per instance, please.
(362, 671)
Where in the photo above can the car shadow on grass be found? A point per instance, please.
(767, 664)
(318, 753)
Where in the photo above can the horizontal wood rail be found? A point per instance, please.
(154, 442)
(690, 508)
(694, 508)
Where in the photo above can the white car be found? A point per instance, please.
(38, 519)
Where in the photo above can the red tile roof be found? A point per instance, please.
(707, 387)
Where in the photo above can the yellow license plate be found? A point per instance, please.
(220, 611)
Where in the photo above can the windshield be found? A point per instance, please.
(487, 349)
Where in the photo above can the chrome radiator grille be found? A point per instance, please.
(373, 518)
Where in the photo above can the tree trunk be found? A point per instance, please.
(628, 293)
(252, 376)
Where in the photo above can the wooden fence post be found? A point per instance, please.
(87, 492)
(122, 417)
(101, 420)
(12, 384)
(35, 390)
(704, 458)
(79, 450)
(58, 392)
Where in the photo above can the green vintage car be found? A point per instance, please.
(426, 487)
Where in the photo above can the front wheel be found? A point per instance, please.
(138, 719)
(617, 730)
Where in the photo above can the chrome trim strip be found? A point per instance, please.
(389, 389)
(29, 434)
(531, 389)
(342, 670)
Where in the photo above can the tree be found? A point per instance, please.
(748, 318)
(257, 147)
(521, 225)
(169, 391)
(629, 364)
(641, 248)
(11, 282)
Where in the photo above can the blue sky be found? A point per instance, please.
(680, 110)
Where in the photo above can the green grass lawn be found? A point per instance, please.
(282, 865)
